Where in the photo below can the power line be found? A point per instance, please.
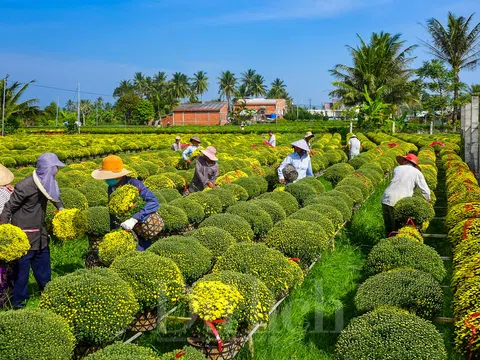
(62, 89)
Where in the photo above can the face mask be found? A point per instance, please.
(111, 182)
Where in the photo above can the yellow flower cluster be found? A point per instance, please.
(70, 224)
(124, 202)
(230, 177)
(115, 244)
(213, 300)
(13, 243)
(411, 232)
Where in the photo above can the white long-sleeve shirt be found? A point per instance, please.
(354, 147)
(188, 151)
(405, 179)
(303, 165)
(273, 140)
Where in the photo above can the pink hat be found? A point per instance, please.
(210, 152)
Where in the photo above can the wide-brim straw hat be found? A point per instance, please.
(177, 138)
(301, 144)
(353, 135)
(112, 168)
(195, 138)
(309, 134)
(6, 176)
(410, 158)
(210, 152)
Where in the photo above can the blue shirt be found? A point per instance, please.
(188, 151)
(151, 201)
(303, 165)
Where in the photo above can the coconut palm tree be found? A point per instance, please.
(383, 63)
(247, 80)
(258, 87)
(227, 83)
(277, 88)
(180, 88)
(13, 105)
(200, 84)
(458, 45)
(123, 88)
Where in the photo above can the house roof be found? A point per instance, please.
(258, 101)
(206, 106)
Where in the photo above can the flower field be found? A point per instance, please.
(228, 256)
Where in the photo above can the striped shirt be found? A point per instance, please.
(5, 194)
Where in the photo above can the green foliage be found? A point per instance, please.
(187, 353)
(409, 289)
(415, 208)
(328, 211)
(332, 201)
(353, 192)
(298, 239)
(275, 210)
(226, 197)
(192, 258)
(316, 217)
(114, 244)
(214, 239)
(401, 252)
(153, 279)
(209, 201)
(97, 303)
(301, 191)
(355, 182)
(385, 334)
(143, 112)
(175, 218)
(123, 351)
(96, 195)
(316, 184)
(278, 273)
(193, 209)
(252, 187)
(337, 172)
(238, 191)
(73, 199)
(237, 226)
(285, 199)
(98, 219)
(35, 334)
(259, 220)
(169, 194)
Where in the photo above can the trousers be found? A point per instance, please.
(39, 261)
(143, 244)
(389, 219)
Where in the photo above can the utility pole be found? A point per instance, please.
(56, 117)
(310, 101)
(3, 104)
(78, 103)
(96, 114)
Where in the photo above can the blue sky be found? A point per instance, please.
(98, 43)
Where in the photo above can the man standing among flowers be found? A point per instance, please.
(115, 175)
(27, 209)
(206, 171)
(195, 140)
(308, 136)
(299, 160)
(406, 178)
(354, 145)
(272, 140)
(176, 146)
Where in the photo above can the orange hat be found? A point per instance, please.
(112, 168)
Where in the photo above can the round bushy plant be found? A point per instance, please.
(409, 289)
(209, 201)
(340, 195)
(35, 334)
(279, 274)
(298, 239)
(237, 226)
(226, 197)
(259, 220)
(336, 203)
(316, 184)
(337, 172)
(352, 192)
(98, 221)
(464, 230)
(73, 199)
(284, 199)
(157, 182)
(95, 195)
(192, 258)
(465, 250)
(355, 182)
(153, 279)
(159, 195)
(461, 212)
(261, 183)
(238, 191)
(187, 353)
(214, 239)
(14, 243)
(169, 194)
(97, 303)
(385, 334)
(410, 232)
(257, 298)
(250, 185)
(193, 209)
(301, 191)
(177, 179)
(69, 224)
(329, 212)
(116, 243)
(415, 208)
(124, 202)
(174, 218)
(401, 252)
(315, 217)
(124, 351)
(275, 210)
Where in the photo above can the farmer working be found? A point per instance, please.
(406, 178)
(176, 146)
(206, 171)
(27, 209)
(308, 136)
(272, 140)
(298, 161)
(6, 190)
(354, 145)
(195, 140)
(115, 175)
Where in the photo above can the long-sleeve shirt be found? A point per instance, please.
(204, 172)
(27, 209)
(272, 141)
(354, 146)
(188, 151)
(151, 202)
(405, 179)
(303, 165)
(176, 146)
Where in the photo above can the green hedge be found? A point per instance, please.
(214, 239)
(237, 226)
(259, 220)
(122, 351)
(286, 200)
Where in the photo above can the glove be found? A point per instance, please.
(129, 224)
